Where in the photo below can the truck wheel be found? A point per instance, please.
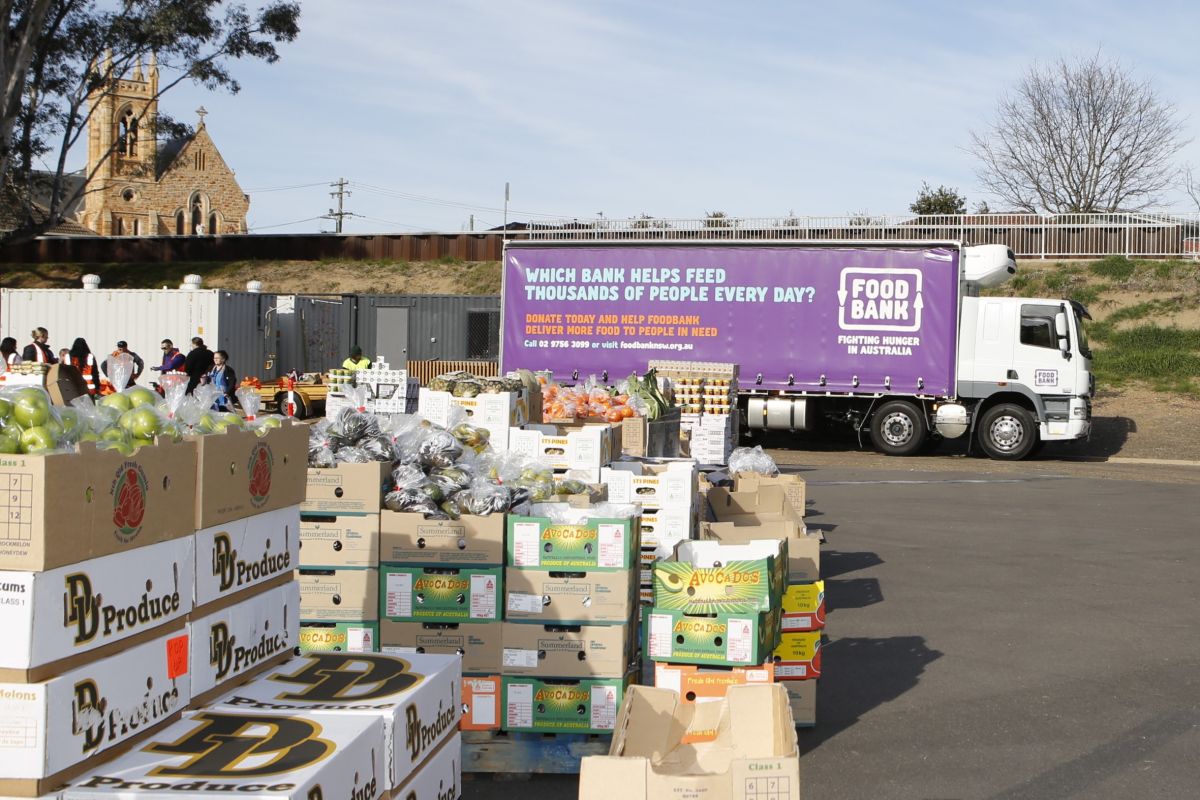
(1007, 432)
(281, 400)
(898, 428)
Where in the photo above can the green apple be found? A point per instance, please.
(120, 402)
(31, 408)
(142, 422)
(10, 441)
(115, 435)
(227, 420)
(204, 424)
(140, 442)
(141, 396)
(69, 418)
(37, 440)
(5, 409)
(88, 436)
(270, 422)
(124, 448)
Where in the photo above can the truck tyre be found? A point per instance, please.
(1007, 432)
(899, 428)
(281, 401)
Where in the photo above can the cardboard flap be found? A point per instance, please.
(702, 553)
(651, 723)
(758, 714)
(603, 777)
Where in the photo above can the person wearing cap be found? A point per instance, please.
(356, 361)
(123, 350)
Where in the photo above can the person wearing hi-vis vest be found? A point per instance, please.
(37, 350)
(356, 361)
(83, 360)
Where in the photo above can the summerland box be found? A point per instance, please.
(409, 538)
(233, 644)
(58, 726)
(235, 556)
(568, 651)
(242, 474)
(92, 607)
(308, 756)
(740, 748)
(346, 489)
(417, 698)
(64, 508)
(338, 595)
(569, 597)
(479, 644)
(346, 540)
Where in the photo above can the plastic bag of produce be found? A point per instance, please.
(174, 387)
(564, 514)
(452, 479)
(467, 388)
(351, 426)
(30, 423)
(120, 370)
(357, 397)
(250, 401)
(484, 497)
(320, 450)
(439, 449)
(471, 436)
(752, 459)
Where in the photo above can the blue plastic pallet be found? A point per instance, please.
(529, 753)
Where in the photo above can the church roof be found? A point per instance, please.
(168, 151)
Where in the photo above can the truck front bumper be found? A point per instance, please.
(1077, 426)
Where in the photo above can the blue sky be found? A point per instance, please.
(671, 109)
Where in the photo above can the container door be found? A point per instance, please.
(391, 335)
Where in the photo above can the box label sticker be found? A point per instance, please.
(604, 707)
(483, 597)
(612, 545)
(525, 603)
(519, 711)
(483, 709)
(526, 544)
(526, 659)
(739, 640)
(791, 671)
(660, 636)
(177, 656)
(399, 594)
(358, 640)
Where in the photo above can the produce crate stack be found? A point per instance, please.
(339, 557)
(385, 390)
(496, 404)
(569, 636)
(706, 393)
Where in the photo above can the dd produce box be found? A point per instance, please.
(585, 705)
(479, 644)
(64, 508)
(743, 747)
(804, 607)
(593, 543)
(236, 642)
(73, 718)
(568, 651)
(439, 777)
(348, 540)
(415, 697)
(409, 538)
(722, 639)
(242, 474)
(97, 605)
(441, 594)
(338, 595)
(346, 489)
(798, 656)
(316, 755)
(339, 637)
(235, 556)
(576, 598)
(707, 577)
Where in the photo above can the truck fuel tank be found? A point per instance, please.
(777, 413)
(950, 420)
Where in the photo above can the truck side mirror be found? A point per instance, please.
(1060, 325)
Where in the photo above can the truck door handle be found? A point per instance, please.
(1012, 375)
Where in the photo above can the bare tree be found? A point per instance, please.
(1082, 136)
(1191, 184)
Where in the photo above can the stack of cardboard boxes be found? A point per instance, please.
(706, 393)
(339, 558)
(498, 412)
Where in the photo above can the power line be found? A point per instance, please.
(340, 194)
(283, 224)
(418, 198)
(284, 188)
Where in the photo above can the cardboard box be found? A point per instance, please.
(798, 656)
(722, 639)
(346, 489)
(64, 383)
(593, 543)
(63, 508)
(339, 595)
(440, 777)
(577, 598)
(584, 705)
(793, 487)
(568, 651)
(494, 411)
(481, 703)
(242, 474)
(235, 556)
(741, 748)
(415, 697)
(662, 529)
(802, 697)
(652, 438)
(479, 644)
(704, 684)
(706, 577)
(92, 607)
(762, 514)
(316, 755)
(236, 642)
(348, 540)
(586, 447)
(409, 538)
(339, 637)
(803, 607)
(440, 594)
(669, 485)
(57, 724)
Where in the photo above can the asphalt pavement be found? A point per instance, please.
(998, 633)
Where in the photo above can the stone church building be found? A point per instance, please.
(180, 187)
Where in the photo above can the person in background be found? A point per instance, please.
(356, 361)
(8, 349)
(172, 359)
(37, 350)
(198, 362)
(64, 356)
(123, 350)
(80, 356)
(224, 378)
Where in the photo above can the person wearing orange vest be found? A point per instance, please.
(37, 350)
(85, 362)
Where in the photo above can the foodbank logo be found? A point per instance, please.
(129, 500)
(259, 469)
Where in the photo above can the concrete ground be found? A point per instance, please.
(998, 631)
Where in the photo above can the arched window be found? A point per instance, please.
(137, 228)
(197, 214)
(127, 133)
(179, 223)
(118, 227)
(213, 224)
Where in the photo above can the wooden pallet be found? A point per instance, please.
(529, 753)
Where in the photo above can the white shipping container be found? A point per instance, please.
(232, 321)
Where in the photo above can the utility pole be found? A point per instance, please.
(340, 194)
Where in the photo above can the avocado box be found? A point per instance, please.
(339, 637)
(315, 755)
(472, 541)
(707, 577)
(584, 705)
(235, 556)
(571, 597)
(798, 656)
(590, 543)
(568, 651)
(346, 540)
(417, 698)
(440, 594)
(338, 595)
(719, 639)
(803, 607)
(478, 643)
(241, 474)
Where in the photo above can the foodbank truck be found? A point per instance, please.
(891, 338)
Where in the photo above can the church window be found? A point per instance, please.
(137, 228)
(128, 195)
(127, 133)
(213, 223)
(179, 222)
(199, 160)
(118, 227)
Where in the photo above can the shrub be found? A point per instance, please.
(1116, 267)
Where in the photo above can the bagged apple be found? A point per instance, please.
(31, 424)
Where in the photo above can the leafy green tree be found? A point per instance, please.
(942, 200)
